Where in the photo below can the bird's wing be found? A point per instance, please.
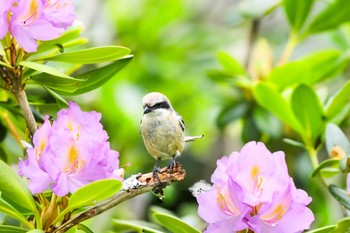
(181, 122)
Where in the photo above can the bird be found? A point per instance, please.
(162, 130)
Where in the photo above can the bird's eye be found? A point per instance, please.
(163, 104)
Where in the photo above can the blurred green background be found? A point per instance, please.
(176, 46)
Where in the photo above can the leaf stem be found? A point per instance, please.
(290, 46)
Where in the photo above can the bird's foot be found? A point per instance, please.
(155, 171)
(172, 165)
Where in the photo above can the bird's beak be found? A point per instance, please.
(146, 110)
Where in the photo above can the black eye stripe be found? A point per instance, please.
(162, 104)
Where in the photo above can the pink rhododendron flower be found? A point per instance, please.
(70, 153)
(252, 189)
(348, 183)
(4, 16)
(33, 20)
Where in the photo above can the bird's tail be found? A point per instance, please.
(192, 138)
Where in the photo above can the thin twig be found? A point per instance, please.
(133, 186)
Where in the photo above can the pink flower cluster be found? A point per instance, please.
(252, 190)
(70, 153)
(32, 20)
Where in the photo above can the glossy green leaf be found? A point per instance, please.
(325, 164)
(297, 12)
(219, 75)
(173, 223)
(140, 226)
(91, 55)
(294, 143)
(266, 122)
(324, 64)
(90, 80)
(47, 79)
(11, 229)
(334, 136)
(13, 188)
(289, 74)
(326, 229)
(340, 195)
(90, 194)
(84, 228)
(307, 109)
(231, 65)
(311, 69)
(342, 226)
(9, 210)
(268, 97)
(231, 113)
(250, 131)
(335, 14)
(94, 192)
(4, 64)
(45, 69)
(61, 102)
(98, 77)
(336, 103)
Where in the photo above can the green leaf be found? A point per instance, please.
(307, 108)
(91, 55)
(90, 80)
(267, 123)
(335, 14)
(13, 188)
(94, 192)
(289, 74)
(337, 102)
(9, 210)
(325, 229)
(325, 164)
(61, 102)
(11, 229)
(297, 12)
(140, 226)
(342, 226)
(171, 222)
(4, 64)
(311, 69)
(230, 64)
(268, 97)
(90, 194)
(294, 143)
(231, 113)
(335, 137)
(84, 228)
(340, 195)
(324, 64)
(45, 69)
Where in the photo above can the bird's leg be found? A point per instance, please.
(172, 164)
(156, 169)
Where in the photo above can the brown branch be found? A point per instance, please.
(26, 111)
(253, 33)
(133, 186)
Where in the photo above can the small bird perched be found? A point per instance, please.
(162, 129)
